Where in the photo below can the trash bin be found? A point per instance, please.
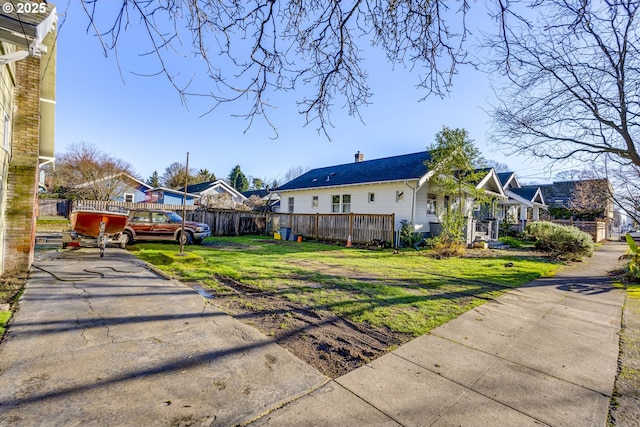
(435, 228)
(285, 232)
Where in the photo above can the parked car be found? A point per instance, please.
(634, 233)
(145, 224)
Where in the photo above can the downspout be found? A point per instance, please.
(413, 202)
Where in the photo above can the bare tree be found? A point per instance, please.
(85, 172)
(499, 167)
(294, 172)
(626, 180)
(174, 175)
(574, 71)
(591, 198)
(254, 48)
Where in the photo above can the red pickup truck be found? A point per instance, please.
(145, 224)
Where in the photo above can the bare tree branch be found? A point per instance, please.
(253, 49)
(574, 73)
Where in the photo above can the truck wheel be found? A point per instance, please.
(187, 239)
(126, 239)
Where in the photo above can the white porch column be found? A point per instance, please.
(523, 217)
(536, 213)
(523, 213)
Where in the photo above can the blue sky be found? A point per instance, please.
(142, 120)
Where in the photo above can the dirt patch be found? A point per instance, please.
(625, 404)
(11, 284)
(228, 246)
(329, 343)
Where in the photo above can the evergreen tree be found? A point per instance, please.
(238, 180)
(153, 180)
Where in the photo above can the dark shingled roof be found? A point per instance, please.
(260, 193)
(504, 177)
(397, 168)
(527, 193)
(197, 188)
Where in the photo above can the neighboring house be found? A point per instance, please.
(121, 187)
(268, 200)
(217, 193)
(167, 196)
(592, 197)
(397, 185)
(27, 108)
(523, 204)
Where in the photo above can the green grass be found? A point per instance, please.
(408, 292)
(4, 318)
(52, 224)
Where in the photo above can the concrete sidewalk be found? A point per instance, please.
(543, 354)
(107, 342)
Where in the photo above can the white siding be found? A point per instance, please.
(385, 196)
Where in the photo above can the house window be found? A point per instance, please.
(290, 204)
(346, 203)
(399, 196)
(372, 197)
(314, 202)
(335, 204)
(128, 197)
(432, 204)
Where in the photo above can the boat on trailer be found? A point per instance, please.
(98, 224)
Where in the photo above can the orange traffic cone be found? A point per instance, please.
(349, 241)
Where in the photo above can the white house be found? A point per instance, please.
(217, 193)
(523, 203)
(120, 187)
(397, 185)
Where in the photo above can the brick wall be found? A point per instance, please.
(22, 179)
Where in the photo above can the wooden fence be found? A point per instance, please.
(104, 204)
(362, 228)
(598, 229)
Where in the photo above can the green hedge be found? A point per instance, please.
(565, 242)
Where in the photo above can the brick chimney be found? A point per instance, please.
(359, 157)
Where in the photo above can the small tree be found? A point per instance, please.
(174, 175)
(454, 162)
(153, 180)
(86, 172)
(204, 175)
(238, 180)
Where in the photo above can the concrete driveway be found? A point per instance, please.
(107, 342)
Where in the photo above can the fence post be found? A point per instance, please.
(317, 225)
(351, 224)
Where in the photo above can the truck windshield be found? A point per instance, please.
(174, 217)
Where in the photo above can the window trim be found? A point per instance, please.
(432, 200)
(126, 195)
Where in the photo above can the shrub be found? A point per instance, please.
(632, 270)
(408, 236)
(446, 249)
(565, 242)
(511, 241)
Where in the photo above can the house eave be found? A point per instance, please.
(360, 184)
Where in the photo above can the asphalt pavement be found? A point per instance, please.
(109, 342)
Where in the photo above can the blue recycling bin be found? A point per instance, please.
(285, 232)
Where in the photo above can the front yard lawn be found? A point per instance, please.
(293, 290)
